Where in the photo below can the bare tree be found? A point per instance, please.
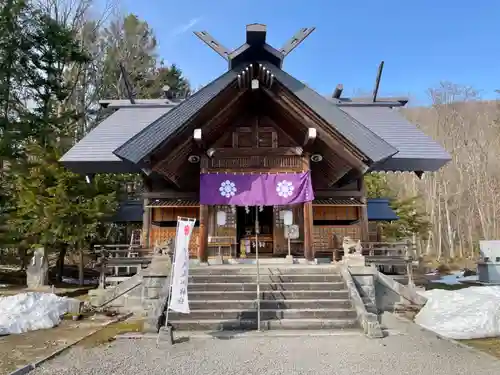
(463, 198)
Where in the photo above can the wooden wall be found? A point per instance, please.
(160, 234)
(324, 235)
(335, 213)
(172, 213)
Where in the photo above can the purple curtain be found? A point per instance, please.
(255, 189)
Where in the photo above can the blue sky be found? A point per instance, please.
(422, 41)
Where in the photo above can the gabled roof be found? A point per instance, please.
(369, 143)
(123, 141)
(94, 153)
(417, 151)
(151, 137)
(157, 132)
(133, 132)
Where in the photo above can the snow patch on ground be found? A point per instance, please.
(31, 311)
(468, 313)
(453, 278)
(73, 281)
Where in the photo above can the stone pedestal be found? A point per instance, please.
(37, 272)
(289, 259)
(218, 260)
(155, 289)
(354, 260)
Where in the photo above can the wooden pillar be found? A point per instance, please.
(146, 215)
(308, 231)
(363, 213)
(379, 232)
(146, 225)
(203, 241)
(308, 216)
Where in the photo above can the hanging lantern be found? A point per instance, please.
(221, 218)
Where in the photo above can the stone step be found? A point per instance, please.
(270, 304)
(267, 295)
(251, 324)
(264, 278)
(266, 314)
(277, 286)
(252, 270)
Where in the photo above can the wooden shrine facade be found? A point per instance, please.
(256, 119)
(257, 133)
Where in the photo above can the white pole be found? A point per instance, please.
(257, 262)
(288, 230)
(170, 282)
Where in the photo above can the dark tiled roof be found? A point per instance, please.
(380, 210)
(148, 139)
(131, 133)
(94, 153)
(337, 202)
(174, 203)
(369, 143)
(417, 151)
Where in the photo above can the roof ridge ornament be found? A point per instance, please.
(255, 47)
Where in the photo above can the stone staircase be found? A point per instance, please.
(292, 297)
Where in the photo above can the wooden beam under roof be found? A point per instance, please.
(210, 41)
(333, 164)
(291, 107)
(309, 138)
(171, 160)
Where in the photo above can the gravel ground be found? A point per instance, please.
(409, 351)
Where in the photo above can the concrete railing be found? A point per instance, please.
(391, 255)
(369, 321)
(406, 292)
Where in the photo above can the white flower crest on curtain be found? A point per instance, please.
(227, 189)
(284, 188)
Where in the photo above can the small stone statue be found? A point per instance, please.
(37, 272)
(157, 250)
(353, 255)
(351, 247)
(168, 248)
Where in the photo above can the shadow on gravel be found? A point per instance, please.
(180, 340)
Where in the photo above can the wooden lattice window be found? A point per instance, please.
(243, 138)
(246, 137)
(267, 137)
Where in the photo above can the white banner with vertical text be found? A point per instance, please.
(179, 297)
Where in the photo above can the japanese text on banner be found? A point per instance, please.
(179, 298)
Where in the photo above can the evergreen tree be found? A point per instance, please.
(52, 206)
(172, 77)
(14, 48)
(55, 207)
(132, 43)
(412, 217)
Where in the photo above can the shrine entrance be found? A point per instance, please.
(248, 219)
(248, 211)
